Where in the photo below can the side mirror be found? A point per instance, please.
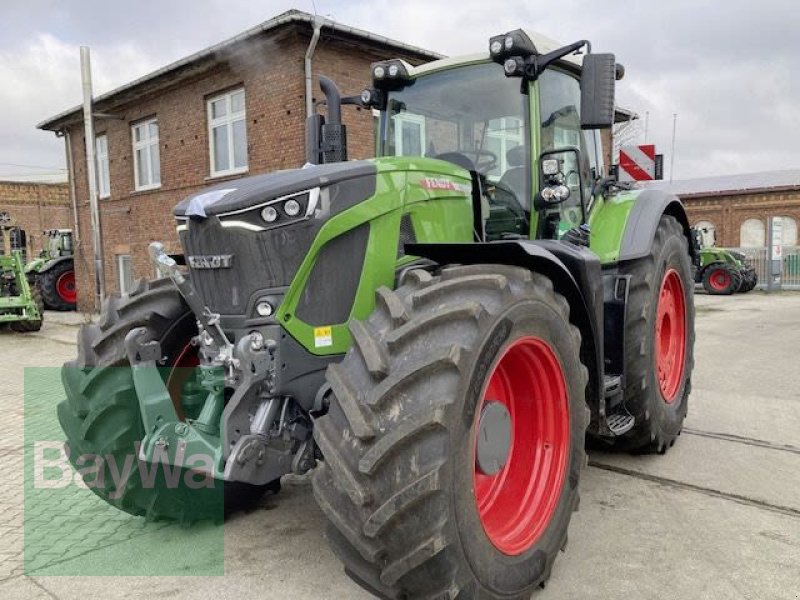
(598, 78)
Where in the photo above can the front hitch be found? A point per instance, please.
(193, 445)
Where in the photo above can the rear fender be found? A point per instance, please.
(624, 225)
(574, 271)
(52, 263)
(640, 229)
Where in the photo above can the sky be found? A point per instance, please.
(729, 69)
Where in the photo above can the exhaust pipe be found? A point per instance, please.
(326, 139)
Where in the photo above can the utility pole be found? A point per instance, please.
(672, 153)
(88, 132)
(646, 124)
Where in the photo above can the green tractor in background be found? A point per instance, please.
(439, 327)
(55, 270)
(722, 271)
(21, 306)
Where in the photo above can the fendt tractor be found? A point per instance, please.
(722, 271)
(438, 327)
(54, 268)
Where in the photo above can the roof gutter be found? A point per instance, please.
(312, 46)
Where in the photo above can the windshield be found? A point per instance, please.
(473, 116)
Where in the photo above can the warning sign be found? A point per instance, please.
(323, 336)
(637, 163)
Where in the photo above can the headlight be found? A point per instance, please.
(291, 208)
(264, 308)
(393, 70)
(379, 72)
(269, 214)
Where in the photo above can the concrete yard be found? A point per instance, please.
(718, 517)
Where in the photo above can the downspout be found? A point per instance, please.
(312, 46)
(71, 177)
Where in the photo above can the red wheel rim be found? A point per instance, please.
(720, 280)
(517, 503)
(180, 371)
(670, 338)
(65, 287)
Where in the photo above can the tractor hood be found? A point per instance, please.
(248, 192)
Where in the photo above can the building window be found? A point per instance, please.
(788, 231)
(103, 175)
(227, 133)
(125, 273)
(708, 233)
(501, 136)
(146, 157)
(409, 134)
(752, 234)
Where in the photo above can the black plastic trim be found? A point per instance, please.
(640, 229)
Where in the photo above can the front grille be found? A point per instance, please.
(261, 260)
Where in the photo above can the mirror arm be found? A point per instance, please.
(537, 63)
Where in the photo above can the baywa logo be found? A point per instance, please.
(52, 469)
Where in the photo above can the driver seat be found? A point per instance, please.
(514, 179)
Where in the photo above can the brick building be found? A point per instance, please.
(35, 207)
(735, 208)
(233, 109)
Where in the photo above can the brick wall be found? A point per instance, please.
(35, 207)
(728, 212)
(272, 73)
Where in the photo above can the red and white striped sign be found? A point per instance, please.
(637, 163)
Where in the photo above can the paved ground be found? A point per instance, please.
(718, 517)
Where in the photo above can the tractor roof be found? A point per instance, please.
(543, 44)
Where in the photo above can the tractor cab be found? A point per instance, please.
(518, 129)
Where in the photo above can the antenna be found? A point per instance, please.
(672, 153)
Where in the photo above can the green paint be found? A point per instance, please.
(608, 219)
(438, 215)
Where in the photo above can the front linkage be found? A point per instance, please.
(261, 453)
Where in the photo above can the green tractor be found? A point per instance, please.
(722, 271)
(55, 270)
(439, 328)
(21, 306)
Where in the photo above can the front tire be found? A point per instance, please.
(659, 341)
(416, 507)
(100, 415)
(31, 325)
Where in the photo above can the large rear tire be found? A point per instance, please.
(659, 341)
(58, 286)
(721, 280)
(100, 415)
(417, 505)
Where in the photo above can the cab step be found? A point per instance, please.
(618, 420)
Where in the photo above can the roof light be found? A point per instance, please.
(379, 72)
